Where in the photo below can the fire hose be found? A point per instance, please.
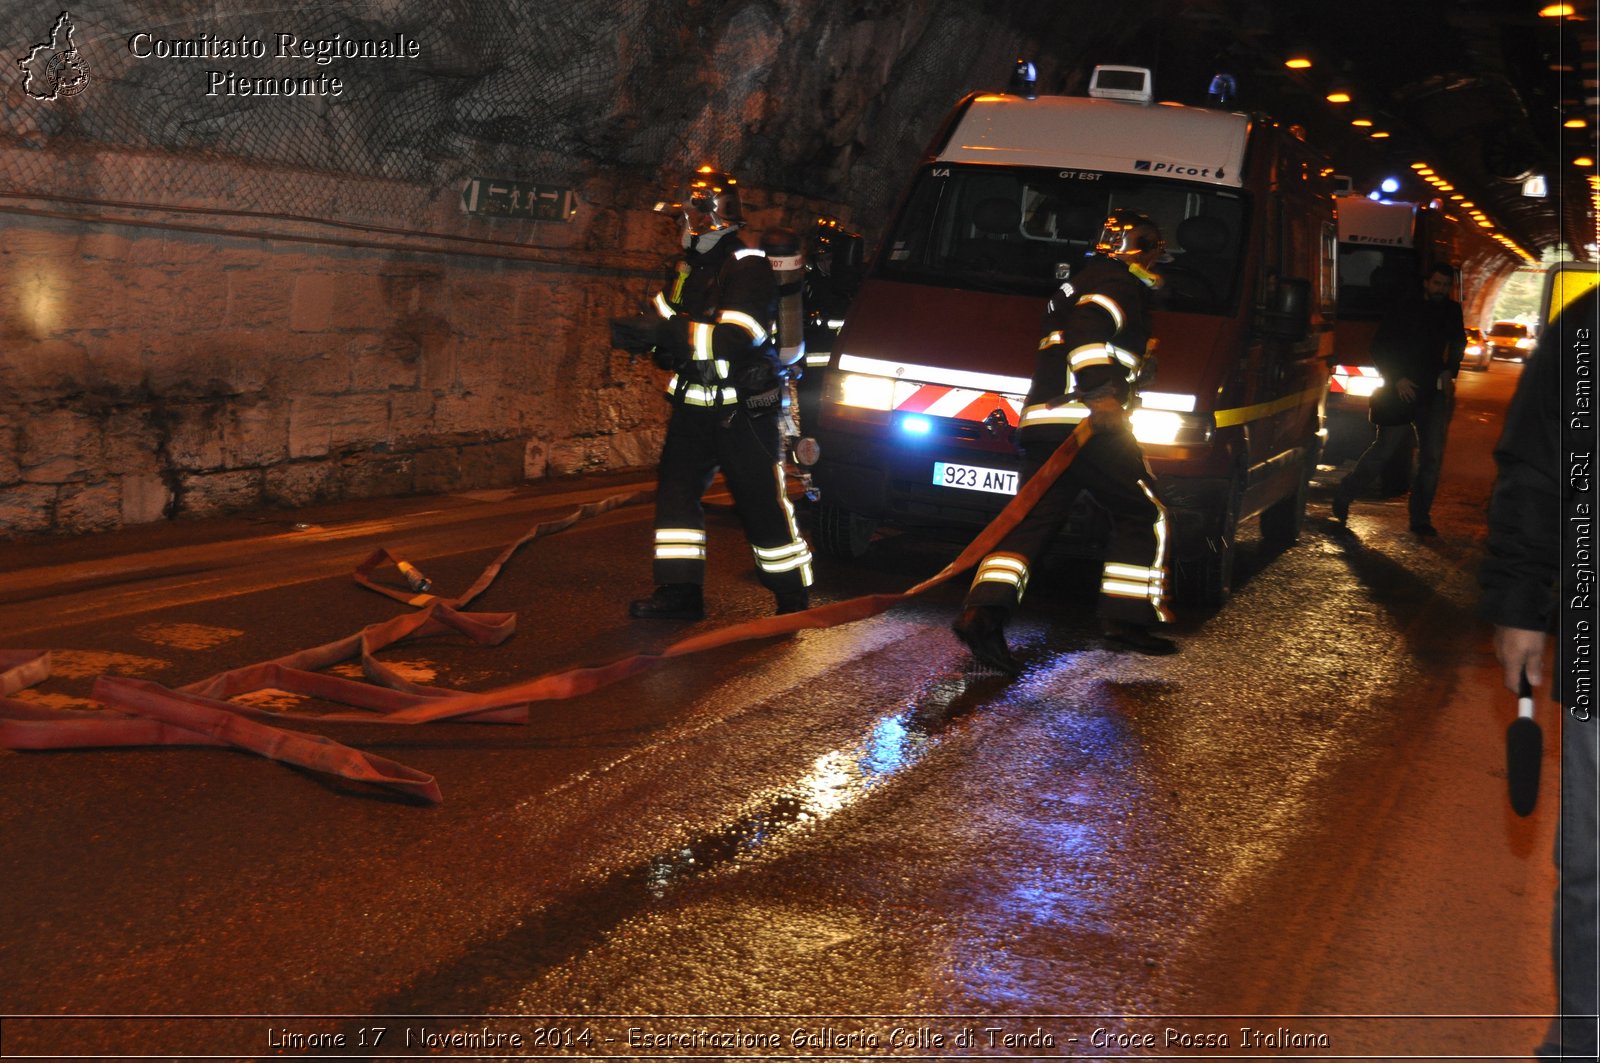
(143, 713)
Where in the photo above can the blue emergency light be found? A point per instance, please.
(916, 425)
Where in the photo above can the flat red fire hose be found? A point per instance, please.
(201, 714)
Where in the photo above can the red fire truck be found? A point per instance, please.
(926, 380)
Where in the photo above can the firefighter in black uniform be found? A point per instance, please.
(1091, 352)
(713, 328)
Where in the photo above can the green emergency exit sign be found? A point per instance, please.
(494, 198)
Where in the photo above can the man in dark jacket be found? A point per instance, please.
(1418, 347)
(1094, 334)
(1521, 581)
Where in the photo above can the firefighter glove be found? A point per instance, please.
(636, 334)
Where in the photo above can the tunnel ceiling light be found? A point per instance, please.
(1557, 11)
(1338, 96)
(1378, 134)
(1575, 123)
(1421, 167)
(1298, 61)
(1362, 122)
(1583, 160)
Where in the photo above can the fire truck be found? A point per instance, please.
(925, 382)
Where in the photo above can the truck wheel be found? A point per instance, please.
(842, 534)
(1205, 579)
(1282, 522)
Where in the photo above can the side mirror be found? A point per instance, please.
(1288, 312)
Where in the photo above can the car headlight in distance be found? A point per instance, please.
(1525, 344)
(866, 392)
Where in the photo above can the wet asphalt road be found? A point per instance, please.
(847, 840)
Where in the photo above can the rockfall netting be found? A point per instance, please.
(147, 103)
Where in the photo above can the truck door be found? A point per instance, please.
(1294, 370)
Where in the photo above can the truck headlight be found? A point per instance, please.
(1159, 427)
(867, 392)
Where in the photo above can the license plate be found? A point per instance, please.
(974, 478)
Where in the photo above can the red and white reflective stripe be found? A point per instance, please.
(1341, 373)
(965, 404)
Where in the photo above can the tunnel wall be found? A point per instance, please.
(213, 304)
(200, 364)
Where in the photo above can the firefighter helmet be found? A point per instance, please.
(1129, 236)
(706, 207)
(710, 202)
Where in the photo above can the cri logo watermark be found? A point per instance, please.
(53, 69)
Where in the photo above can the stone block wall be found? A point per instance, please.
(217, 303)
(160, 367)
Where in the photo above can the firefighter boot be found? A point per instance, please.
(671, 601)
(793, 601)
(982, 629)
(1138, 638)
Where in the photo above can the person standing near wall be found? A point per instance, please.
(712, 327)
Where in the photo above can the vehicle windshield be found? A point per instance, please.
(1372, 278)
(1022, 230)
(1514, 329)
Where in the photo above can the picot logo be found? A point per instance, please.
(1177, 169)
(53, 69)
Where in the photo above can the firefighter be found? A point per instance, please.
(1092, 349)
(712, 327)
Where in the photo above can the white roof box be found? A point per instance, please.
(1367, 221)
(1097, 135)
(1131, 83)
